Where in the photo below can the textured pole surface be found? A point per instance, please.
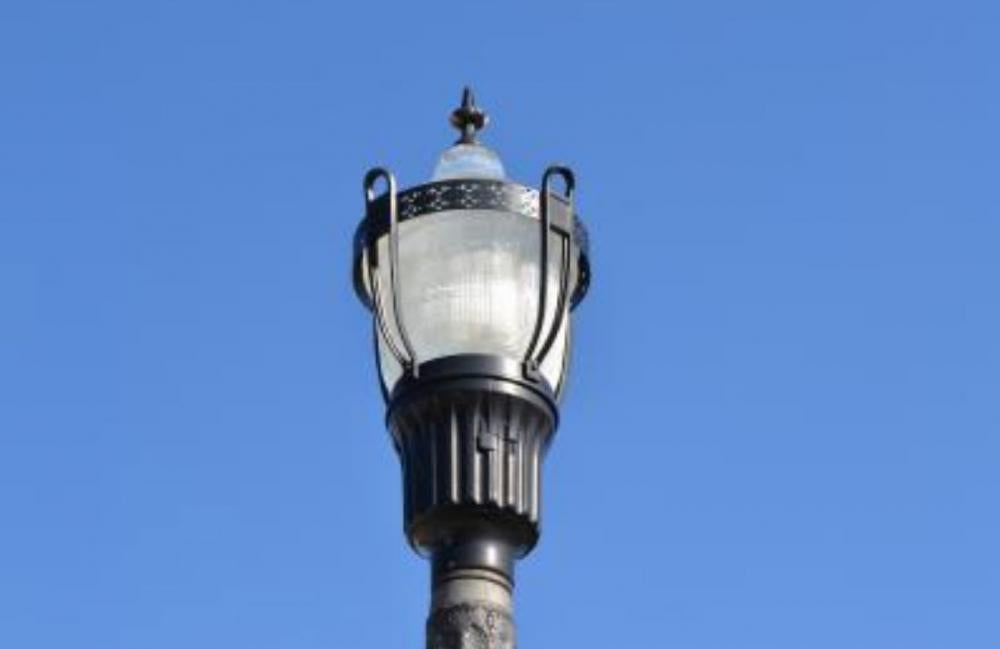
(471, 609)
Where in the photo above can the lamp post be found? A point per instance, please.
(471, 279)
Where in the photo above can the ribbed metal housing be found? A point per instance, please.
(471, 460)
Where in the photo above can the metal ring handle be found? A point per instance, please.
(409, 360)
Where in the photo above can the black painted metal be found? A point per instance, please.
(370, 259)
(532, 360)
(468, 118)
(492, 554)
(471, 433)
(474, 372)
(567, 242)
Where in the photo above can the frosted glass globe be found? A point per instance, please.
(468, 284)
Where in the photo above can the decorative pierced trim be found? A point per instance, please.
(463, 195)
(469, 194)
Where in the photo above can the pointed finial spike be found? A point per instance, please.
(468, 118)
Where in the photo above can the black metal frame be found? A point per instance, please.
(462, 194)
(474, 372)
(532, 361)
(555, 214)
(409, 361)
(471, 433)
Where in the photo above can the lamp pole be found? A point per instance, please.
(471, 279)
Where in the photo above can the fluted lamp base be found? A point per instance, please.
(471, 438)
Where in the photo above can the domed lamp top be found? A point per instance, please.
(468, 158)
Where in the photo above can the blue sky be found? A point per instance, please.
(782, 425)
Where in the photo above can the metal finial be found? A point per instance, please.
(468, 118)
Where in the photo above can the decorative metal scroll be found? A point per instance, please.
(408, 361)
(532, 360)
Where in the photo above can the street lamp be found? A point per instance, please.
(470, 279)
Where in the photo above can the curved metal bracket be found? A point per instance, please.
(531, 361)
(408, 360)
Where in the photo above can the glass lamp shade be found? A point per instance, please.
(469, 284)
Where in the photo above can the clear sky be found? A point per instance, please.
(782, 425)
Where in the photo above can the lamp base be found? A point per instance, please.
(471, 433)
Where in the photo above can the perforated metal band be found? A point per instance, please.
(469, 194)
